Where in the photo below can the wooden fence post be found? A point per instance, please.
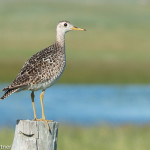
(34, 135)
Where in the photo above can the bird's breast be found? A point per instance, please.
(50, 72)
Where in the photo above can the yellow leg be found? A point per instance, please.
(43, 115)
(41, 98)
(32, 97)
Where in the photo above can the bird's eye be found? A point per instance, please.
(65, 24)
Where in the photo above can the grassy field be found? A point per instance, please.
(103, 137)
(115, 48)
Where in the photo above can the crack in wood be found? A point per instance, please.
(28, 135)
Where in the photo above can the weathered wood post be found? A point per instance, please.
(34, 135)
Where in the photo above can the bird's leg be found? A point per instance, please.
(32, 97)
(43, 115)
(41, 98)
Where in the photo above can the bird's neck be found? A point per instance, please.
(60, 38)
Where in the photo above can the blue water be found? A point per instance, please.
(81, 104)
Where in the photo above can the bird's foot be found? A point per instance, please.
(46, 121)
(35, 119)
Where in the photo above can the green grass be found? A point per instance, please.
(125, 137)
(6, 136)
(115, 48)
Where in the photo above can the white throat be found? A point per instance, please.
(60, 37)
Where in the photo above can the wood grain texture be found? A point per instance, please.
(34, 135)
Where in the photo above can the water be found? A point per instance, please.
(81, 104)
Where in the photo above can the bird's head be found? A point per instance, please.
(65, 26)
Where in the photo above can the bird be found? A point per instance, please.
(43, 69)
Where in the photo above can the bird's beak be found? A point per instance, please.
(79, 29)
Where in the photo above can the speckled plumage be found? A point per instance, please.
(40, 71)
(45, 67)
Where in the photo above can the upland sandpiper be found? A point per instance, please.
(43, 69)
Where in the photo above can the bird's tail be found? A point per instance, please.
(8, 92)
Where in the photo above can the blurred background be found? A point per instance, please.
(103, 98)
